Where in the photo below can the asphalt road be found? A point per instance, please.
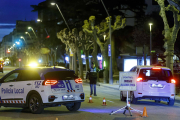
(95, 110)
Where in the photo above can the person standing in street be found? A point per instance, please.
(92, 74)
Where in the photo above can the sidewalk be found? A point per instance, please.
(115, 86)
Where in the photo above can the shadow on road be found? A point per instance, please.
(26, 114)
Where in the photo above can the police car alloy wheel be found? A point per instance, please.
(75, 107)
(35, 104)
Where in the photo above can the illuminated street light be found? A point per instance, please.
(150, 43)
(61, 14)
(17, 43)
(23, 39)
(39, 20)
(32, 30)
(28, 34)
(104, 37)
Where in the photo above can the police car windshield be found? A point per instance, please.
(155, 74)
(61, 75)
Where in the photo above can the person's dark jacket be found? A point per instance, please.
(92, 75)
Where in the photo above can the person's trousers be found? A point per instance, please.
(91, 87)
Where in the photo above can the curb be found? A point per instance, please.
(101, 84)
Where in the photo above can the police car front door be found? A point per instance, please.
(7, 87)
(24, 85)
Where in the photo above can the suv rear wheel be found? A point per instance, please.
(122, 98)
(35, 104)
(171, 102)
(132, 98)
(75, 107)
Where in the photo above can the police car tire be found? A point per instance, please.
(122, 98)
(171, 102)
(133, 100)
(40, 107)
(75, 107)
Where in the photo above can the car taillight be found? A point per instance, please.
(50, 82)
(139, 79)
(78, 80)
(173, 81)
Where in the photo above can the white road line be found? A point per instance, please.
(177, 103)
(110, 101)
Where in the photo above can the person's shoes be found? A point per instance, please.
(90, 94)
(95, 95)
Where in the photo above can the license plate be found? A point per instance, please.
(157, 85)
(68, 97)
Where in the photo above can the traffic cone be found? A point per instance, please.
(104, 102)
(144, 113)
(90, 99)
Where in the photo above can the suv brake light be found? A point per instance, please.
(173, 81)
(50, 82)
(78, 80)
(156, 68)
(139, 79)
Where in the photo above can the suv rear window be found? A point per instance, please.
(157, 74)
(61, 75)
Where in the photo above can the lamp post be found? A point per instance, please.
(28, 34)
(61, 14)
(110, 67)
(150, 44)
(23, 39)
(32, 30)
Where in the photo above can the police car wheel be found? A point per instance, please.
(132, 98)
(75, 107)
(35, 104)
(171, 102)
(122, 98)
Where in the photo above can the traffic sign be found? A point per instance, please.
(109, 50)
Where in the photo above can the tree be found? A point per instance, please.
(170, 34)
(98, 31)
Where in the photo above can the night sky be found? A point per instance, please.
(12, 10)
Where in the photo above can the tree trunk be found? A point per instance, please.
(80, 63)
(170, 54)
(114, 61)
(70, 62)
(87, 59)
(94, 54)
(105, 73)
(75, 63)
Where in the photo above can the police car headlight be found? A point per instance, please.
(33, 64)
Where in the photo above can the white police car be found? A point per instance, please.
(36, 88)
(154, 83)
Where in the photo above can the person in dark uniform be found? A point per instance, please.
(92, 74)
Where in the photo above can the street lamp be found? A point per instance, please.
(39, 20)
(110, 67)
(61, 14)
(150, 43)
(104, 36)
(23, 39)
(28, 34)
(32, 30)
